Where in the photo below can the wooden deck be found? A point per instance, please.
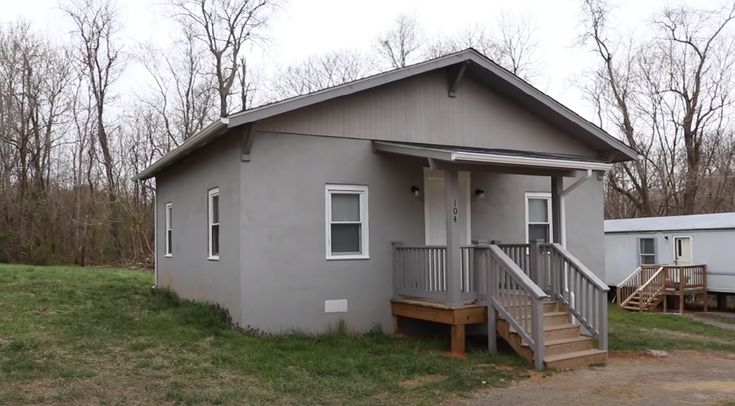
(651, 285)
(457, 318)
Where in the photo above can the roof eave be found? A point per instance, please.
(197, 140)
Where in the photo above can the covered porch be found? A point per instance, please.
(523, 291)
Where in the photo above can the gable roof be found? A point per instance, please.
(672, 223)
(475, 63)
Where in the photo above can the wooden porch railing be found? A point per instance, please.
(421, 271)
(513, 279)
(518, 300)
(572, 283)
(629, 285)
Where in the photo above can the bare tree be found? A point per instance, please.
(225, 27)
(401, 44)
(510, 41)
(664, 96)
(98, 53)
(319, 72)
(185, 98)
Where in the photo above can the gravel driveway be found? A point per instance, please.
(682, 378)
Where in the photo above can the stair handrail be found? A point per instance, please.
(631, 276)
(628, 287)
(571, 281)
(645, 286)
(639, 288)
(509, 301)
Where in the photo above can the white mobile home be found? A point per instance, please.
(707, 239)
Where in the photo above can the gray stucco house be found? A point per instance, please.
(412, 189)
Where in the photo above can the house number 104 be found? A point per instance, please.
(454, 211)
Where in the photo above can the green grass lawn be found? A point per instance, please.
(103, 336)
(641, 331)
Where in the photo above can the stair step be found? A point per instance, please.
(557, 331)
(576, 359)
(549, 306)
(550, 318)
(565, 345)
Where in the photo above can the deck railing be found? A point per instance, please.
(421, 271)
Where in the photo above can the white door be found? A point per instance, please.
(683, 250)
(434, 215)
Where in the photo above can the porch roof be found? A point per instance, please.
(493, 157)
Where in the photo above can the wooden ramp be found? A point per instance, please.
(564, 345)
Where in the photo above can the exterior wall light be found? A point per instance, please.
(415, 191)
(479, 193)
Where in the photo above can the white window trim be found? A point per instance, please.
(168, 249)
(641, 254)
(210, 214)
(539, 195)
(362, 191)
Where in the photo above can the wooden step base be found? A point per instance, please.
(566, 345)
(576, 359)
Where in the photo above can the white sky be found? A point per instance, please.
(306, 27)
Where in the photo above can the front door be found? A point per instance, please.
(435, 228)
(683, 250)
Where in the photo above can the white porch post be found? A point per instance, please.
(454, 272)
(557, 208)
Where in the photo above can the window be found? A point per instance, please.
(538, 217)
(213, 228)
(169, 230)
(347, 221)
(646, 251)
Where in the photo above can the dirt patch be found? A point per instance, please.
(684, 377)
(420, 381)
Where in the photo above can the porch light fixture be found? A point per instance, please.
(479, 193)
(415, 191)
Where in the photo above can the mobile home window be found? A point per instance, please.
(213, 223)
(647, 251)
(538, 217)
(346, 221)
(169, 230)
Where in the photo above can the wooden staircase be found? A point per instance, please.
(640, 302)
(643, 290)
(564, 345)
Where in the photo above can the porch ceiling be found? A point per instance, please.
(492, 157)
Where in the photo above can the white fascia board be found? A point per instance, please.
(528, 161)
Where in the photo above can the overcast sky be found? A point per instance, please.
(306, 27)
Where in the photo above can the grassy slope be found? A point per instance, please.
(640, 331)
(71, 335)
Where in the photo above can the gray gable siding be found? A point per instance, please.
(417, 109)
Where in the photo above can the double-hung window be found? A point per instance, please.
(538, 217)
(169, 230)
(213, 223)
(646, 251)
(347, 221)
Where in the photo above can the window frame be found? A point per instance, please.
(168, 228)
(641, 254)
(549, 221)
(211, 193)
(362, 192)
